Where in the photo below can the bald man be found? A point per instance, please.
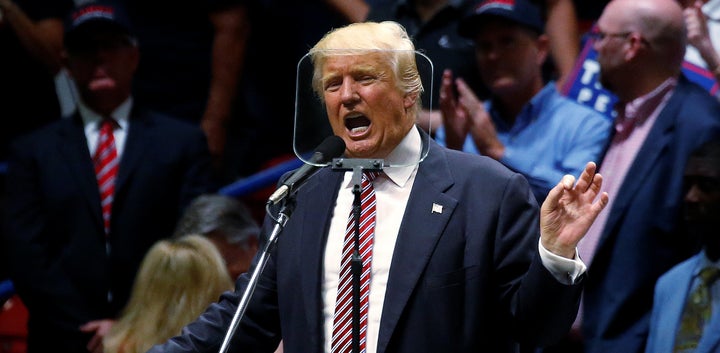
(661, 118)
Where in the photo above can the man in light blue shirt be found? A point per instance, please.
(527, 125)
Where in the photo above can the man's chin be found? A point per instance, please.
(102, 84)
(360, 149)
(503, 86)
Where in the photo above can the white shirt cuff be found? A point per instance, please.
(565, 270)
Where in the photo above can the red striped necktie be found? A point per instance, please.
(342, 325)
(106, 168)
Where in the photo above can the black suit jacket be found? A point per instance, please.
(54, 240)
(467, 279)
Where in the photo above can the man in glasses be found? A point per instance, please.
(661, 118)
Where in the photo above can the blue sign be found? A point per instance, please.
(584, 86)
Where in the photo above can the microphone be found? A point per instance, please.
(332, 147)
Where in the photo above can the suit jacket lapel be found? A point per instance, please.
(419, 232)
(73, 148)
(675, 303)
(652, 149)
(314, 232)
(139, 135)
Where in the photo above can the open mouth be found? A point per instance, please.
(357, 124)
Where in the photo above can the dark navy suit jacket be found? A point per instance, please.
(467, 279)
(641, 240)
(55, 243)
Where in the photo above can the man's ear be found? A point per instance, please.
(636, 43)
(410, 100)
(543, 47)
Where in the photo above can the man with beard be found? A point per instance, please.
(661, 118)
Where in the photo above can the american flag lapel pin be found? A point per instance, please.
(437, 208)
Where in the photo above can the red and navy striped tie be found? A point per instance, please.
(342, 326)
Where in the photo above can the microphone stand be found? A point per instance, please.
(358, 166)
(280, 221)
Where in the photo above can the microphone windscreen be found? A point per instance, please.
(332, 147)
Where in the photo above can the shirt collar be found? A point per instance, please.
(404, 159)
(529, 112)
(639, 109)
(539, 100)
(121, 114)
(703, 263)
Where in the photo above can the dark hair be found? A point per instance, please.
(215, 212)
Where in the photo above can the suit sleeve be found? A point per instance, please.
(541, 308)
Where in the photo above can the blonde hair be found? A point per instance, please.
(388, 38)
(177, 280)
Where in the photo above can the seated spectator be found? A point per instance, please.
(527, 125)
(672, 327)
(227, 222)
(177, 279)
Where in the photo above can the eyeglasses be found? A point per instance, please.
(599, 36)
